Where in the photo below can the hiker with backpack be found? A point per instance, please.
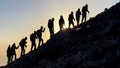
(33, 38)
(51, 27)
(84, 13)
(22, 44)
(39, 35)
(70, 19)
(13, 51)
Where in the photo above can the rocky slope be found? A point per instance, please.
(93, 44)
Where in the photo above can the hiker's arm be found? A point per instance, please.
(43, 29)
(74, 18)
(88, 11)
(17, 47)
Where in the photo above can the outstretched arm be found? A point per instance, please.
(43, 29)
(17, 47)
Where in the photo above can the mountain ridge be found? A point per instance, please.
(94, 43)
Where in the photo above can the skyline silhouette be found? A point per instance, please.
(94, 43)
(27, 34)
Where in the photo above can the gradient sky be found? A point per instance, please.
(19, 18)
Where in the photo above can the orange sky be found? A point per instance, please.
(20, 18)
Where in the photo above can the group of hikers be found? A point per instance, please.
(11, 50)
(34, 36)
(84, 11)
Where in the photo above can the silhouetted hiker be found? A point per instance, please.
(13, 52)
(39, 35)
(70, 19)
(84, 12)
(33, 37)
(9, 54)
(61, 22)
(51, 27)
(22, 44)
(78, 13)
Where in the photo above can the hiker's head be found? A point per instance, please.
(25, 38)
(13, 44)
(35, 32)
(72, 12)
(41, 27)
(61, 16)
(52, 19)
(9, 46)
(49, 20)
(86, 5)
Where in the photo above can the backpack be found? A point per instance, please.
(22, 42)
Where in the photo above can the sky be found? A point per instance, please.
(20, 18)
